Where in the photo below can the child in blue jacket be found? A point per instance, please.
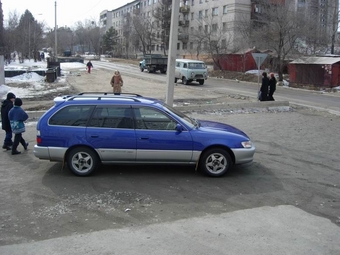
(17, 116)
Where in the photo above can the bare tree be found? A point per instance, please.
(2, 43)
(277, 28)
(214, 36)
(145, 31)
(335, 24)
(93, 36)
(162, 17)
(127, 33)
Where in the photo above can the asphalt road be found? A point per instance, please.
(285, 202)
(313, 99)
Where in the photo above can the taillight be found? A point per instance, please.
(38, 140)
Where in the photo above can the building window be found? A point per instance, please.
(201, 1)
(225, 9)
(192, 30)
(257, 8)
(215, 11)
(192, 2)
(154, 1)
(178, 46)
(184, 46)
(206, 13)
(214, 27)
(200, 15)
(192, 16)
(191, 45)
(224, 26)
(206, 28)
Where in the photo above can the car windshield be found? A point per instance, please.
(192, 123)
(196, 65)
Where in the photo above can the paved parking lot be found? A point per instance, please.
(285, 202)
(42, 200)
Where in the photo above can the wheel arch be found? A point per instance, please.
(218, 147)
(80, 145)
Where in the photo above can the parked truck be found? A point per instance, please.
(153, 63)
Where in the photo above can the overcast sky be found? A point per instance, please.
(68, 11)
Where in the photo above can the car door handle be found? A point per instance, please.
(144, 138)
(94, 136)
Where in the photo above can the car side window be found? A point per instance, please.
(72, 115)
(152, 119)
(178, 64)
(111, 117)
(185, 65)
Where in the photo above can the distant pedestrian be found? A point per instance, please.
(272, 86)
(117, 83)
(42, 55)
(6, 106)
(264, 87)
(17, 116)
(89, 66)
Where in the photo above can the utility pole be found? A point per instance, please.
(55, 30)
(172, 52)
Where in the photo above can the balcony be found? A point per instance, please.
(183, 37)
(183, 23)
(184, 9)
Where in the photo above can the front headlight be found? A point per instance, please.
(247, 144)
(192, 74)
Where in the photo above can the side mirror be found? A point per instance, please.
(179, 128)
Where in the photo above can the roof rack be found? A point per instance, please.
(109, 93)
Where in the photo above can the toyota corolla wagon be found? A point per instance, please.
(88, 129)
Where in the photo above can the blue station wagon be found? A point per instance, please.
(88, 129)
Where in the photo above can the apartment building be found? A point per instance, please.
(200, 22)
(195, 17)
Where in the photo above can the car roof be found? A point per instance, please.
(189, 60)
(105, 97)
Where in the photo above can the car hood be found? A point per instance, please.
(220, 126)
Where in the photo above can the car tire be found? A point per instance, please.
(215, 162)
(184, 81)
(142, 69)
(176, 80)
(82, 161)
(201, 82)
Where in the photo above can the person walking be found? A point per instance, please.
(6, 106)
(264, 87)
(17, 116)
(117, 83)
(272, 86)
(89, 66)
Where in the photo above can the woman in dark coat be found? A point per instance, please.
(6, 106)
(272, 87)
(264, 87)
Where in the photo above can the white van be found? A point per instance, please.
(189, 70)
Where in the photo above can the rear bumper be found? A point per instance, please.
(49, 153)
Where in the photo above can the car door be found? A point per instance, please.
(157, 137)
(111, 132)
(178, 70)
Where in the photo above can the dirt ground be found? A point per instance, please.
(296, 163)
(99, 79)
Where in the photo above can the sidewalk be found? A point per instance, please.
(277, 230)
